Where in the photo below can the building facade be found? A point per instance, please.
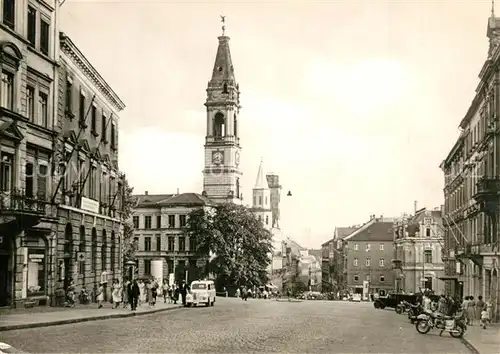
(164, 247)
(472, 187)
(332, 261)
(28, 92)
(222, 174)
(418, 246)
(367, 253)
(88, 185)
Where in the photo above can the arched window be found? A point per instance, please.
(81, 248)
(68, 255)
(113, 249)
(235, 126)
(224, 89)
(237, 187)
(104, 250)
(267, 220)
(94, 250)
(219, 125)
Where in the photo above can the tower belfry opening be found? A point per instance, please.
(219, 125)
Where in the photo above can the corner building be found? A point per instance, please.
(88, 187)
(418, 247)
(472, 189)
(28, 98)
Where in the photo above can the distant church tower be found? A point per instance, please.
(222, 175)
(261, 205)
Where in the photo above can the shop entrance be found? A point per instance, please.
(5, 272)
(5, 279)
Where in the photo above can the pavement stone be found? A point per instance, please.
(43, 317)
(484, 341)
(235, 326)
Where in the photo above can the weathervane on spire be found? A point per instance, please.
(223, 20)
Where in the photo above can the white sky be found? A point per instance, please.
(353, 103)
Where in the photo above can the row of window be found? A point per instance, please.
(33, 17)
(148, 219)
(260, 201)
(368, 277)
(181, 265)
(267, 219)
(368, 262)
(83, 112)
(113, 248)
(147, 246)
(368, 247)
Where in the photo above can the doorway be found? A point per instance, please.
(5, 280)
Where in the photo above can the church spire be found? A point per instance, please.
(261, 182)
(223, 67)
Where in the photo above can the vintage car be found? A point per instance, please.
(201, 292)
(393, 300)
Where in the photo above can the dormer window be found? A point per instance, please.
(224, 89)
(220, 69)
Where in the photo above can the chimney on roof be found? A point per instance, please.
(146, 192)
(177, 191)
(415, 207)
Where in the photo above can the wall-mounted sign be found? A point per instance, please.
(36, 258)
(90, 205)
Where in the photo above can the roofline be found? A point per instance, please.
(68, 47)
(362, 228)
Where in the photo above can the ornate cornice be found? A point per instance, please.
(75, 55)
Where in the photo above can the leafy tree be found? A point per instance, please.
(129, 244)
(238, 243)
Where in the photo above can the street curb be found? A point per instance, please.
(84, 319)
(469, 346)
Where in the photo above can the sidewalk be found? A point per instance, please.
(484, 341)
(11, 319)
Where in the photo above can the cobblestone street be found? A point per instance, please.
(236, 326)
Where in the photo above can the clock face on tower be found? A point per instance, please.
(218, 158)
(237, 158)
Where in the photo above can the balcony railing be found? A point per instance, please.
(17, 200)
(487, 187)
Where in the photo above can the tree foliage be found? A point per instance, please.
(238, 244)
(129, 244)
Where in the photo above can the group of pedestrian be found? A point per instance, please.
(477, 310)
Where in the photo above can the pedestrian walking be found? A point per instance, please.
(133, 294)
(100, 295)
(117, 293)
(489, 309)
(480, 306)
(125, 287)
(485, 317)
(165, 288)
(176, 293)
(183, 293)
(154, 292)
(471, 310)
(142, 292)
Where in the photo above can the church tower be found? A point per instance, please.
(222, 175)
(261, 205)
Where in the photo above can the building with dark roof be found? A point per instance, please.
(367, 254)
(163, 246)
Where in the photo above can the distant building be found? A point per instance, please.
(261, 202)
(164, 247)
(418, 242)
(273, 181)
(368, 252)
(332, 261)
